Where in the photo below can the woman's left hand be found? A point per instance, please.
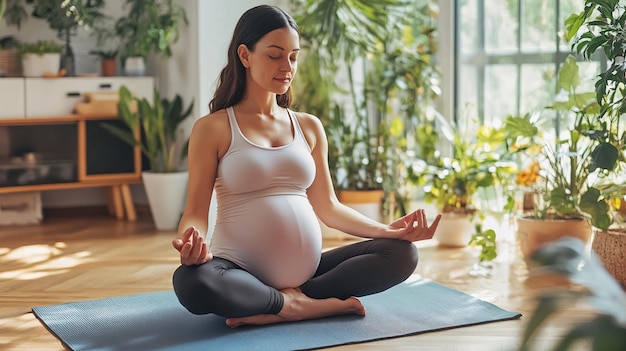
(414, 227)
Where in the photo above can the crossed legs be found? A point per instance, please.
(344, 273)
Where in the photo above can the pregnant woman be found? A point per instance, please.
(268, 167)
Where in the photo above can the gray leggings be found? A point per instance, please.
(363, 268)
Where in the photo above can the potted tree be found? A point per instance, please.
(66, 16)
(154, 127)
(148, 26)
(367, 75)
(599, 28)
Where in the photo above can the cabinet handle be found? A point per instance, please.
(105, 86)
(73, 94)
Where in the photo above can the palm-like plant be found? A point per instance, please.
(153, 126)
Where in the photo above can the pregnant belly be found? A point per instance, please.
(276, 238)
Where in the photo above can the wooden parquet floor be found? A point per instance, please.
(81, 257)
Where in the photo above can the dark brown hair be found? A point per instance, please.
(253, 25)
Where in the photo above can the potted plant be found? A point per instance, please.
(599, 28)
(66, 16)
(367, 74)
(561, 173)
(154, 127)
(108, 61)
(13, 12)
(148, 26)
(474, 167)
(605, 329)
(40, 58)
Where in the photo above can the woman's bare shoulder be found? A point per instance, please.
(215, 121)
(308, 121)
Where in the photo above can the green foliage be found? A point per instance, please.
(569, 166)
(105, 54)
(149, 26)
(13, 12)
(158, 122)
(606, 330)
(389, 46)
(65, 16)
(40, 47)
(476, 162)
(486, 239)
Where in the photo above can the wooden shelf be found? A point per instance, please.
(66, 119)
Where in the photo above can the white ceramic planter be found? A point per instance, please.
(34, 65)
(134, 66)
(166, 195)
(454, 230)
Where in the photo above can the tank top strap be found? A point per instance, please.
(298, 133)
(236, 136)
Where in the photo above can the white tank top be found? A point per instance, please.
(265, 222)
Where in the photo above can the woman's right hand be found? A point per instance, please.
(192, 248)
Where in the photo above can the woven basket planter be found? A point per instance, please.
(10, 63)
(610, 247)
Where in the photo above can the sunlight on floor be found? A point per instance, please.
(36, 261)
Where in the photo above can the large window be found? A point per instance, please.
(507, 55)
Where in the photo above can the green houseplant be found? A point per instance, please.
(147, 26)
(565, 169)
(66, 17)
(154, 127)
(600, 29)
(159, 121)
(40, 58)
(474, 169)
(368, 74)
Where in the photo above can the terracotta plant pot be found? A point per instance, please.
(610, 247)
(533, 233)
(108, 67)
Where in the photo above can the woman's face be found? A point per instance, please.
(273, 63)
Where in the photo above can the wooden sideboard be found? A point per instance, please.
(49, 147)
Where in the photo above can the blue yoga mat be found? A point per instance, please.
(156, 321)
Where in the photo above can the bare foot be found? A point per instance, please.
(298, 306)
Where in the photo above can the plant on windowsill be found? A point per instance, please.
(563, 171)
(154, 126)
(600, 29)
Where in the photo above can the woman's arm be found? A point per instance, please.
(206, 146)
(336, 215)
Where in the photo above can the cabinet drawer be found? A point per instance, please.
(47, 97)
(12, 98)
